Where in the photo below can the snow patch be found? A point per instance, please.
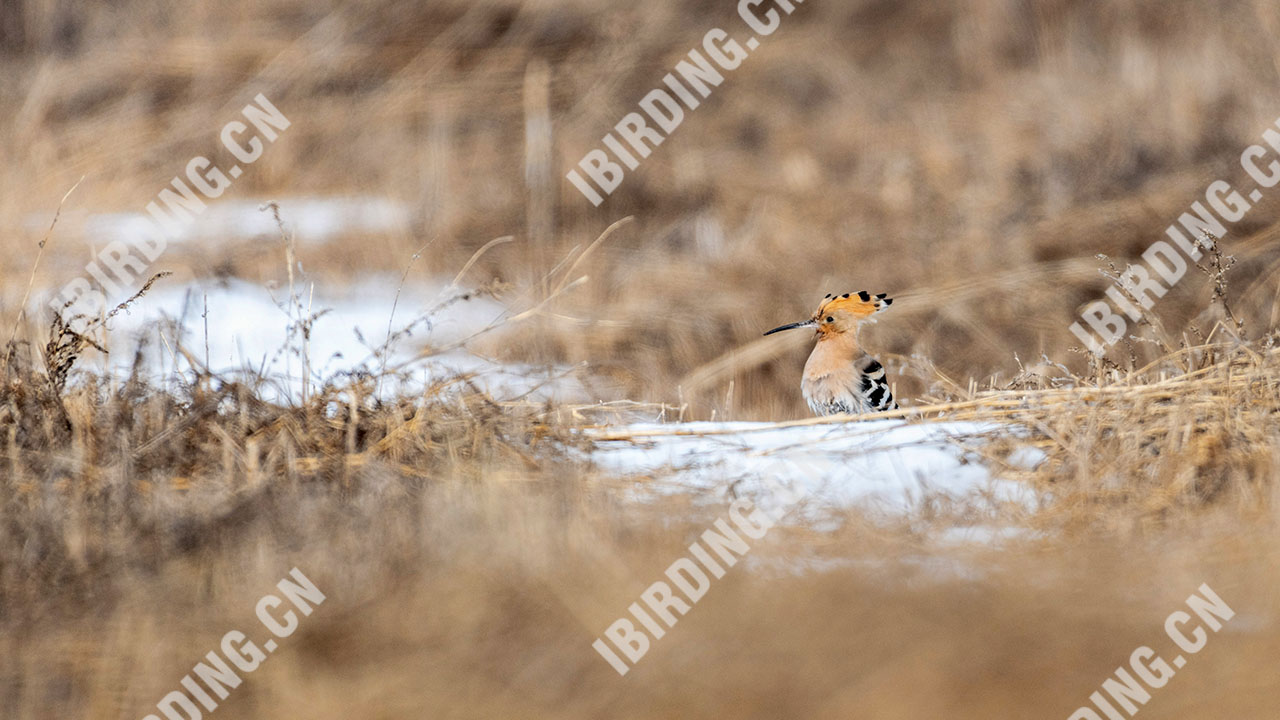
(249, 332)
(887, 468)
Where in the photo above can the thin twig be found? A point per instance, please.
(31, 279)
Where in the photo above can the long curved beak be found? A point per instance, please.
(793, 326)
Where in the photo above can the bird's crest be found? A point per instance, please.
(861, 304)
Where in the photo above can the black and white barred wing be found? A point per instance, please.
(874, 389)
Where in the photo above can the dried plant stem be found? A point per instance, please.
(26, 294)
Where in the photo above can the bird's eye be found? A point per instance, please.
(830, 319)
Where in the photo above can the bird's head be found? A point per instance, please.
(841, 313)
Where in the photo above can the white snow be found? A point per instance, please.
(885, 468)
(249, 331)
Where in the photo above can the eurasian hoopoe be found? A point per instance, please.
(839, 376)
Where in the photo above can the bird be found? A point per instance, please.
(840, 377)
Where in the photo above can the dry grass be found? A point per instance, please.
(470, 556)
(970, 158)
